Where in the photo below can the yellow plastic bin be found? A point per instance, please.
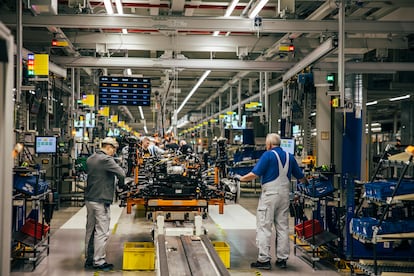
(139, 256)
(223, 250)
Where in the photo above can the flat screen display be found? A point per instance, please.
(124, 91)
(288, 145)
(45, 144)
(232, 122)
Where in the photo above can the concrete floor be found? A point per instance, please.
(67, 245)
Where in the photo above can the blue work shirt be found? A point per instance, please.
(267, 167)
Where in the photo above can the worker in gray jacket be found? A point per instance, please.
(99, 194)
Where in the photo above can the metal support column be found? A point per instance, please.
(323, 119)
(6, 140)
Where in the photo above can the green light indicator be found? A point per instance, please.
(330, 78)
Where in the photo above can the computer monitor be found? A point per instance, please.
(46, 144)
(288, 145)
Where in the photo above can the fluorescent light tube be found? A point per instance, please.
(371, 103)
(200, 81)
(257, 8)
(141, 112)
(400, 98)
(145, 129)
(228, 12)
(108, 7)
(119, 8)
(231, 8)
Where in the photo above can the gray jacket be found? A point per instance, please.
(102, 169)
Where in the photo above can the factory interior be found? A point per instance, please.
(204, 83)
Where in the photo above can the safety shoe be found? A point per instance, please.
(88, 265)
(261, 265)
(281, 263)
(104, 267)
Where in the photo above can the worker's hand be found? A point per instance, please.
(237, 177)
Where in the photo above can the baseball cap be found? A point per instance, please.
(110, 141)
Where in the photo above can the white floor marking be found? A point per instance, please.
(78, 221)
(234, 217)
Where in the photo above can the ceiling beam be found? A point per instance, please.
(211, 24)
(206, 43)
(198, 64)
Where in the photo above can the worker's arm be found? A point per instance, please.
(248, 177)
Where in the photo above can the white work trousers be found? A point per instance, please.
(273, 209)
(97, 231)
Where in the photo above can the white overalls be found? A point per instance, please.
(273, 209)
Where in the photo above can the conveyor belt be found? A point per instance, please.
(188, 255)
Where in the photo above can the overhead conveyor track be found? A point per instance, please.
(188, 255)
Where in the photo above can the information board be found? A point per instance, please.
(124, 91)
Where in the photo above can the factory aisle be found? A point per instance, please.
(236, 226)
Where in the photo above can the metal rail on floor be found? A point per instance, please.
(188, 255)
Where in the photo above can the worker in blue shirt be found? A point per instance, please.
(273, 206)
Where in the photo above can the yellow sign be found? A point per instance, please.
(104, 111)
(114, 118)
(88, 100)
(230, 112)
(41, 65)
(335, 102)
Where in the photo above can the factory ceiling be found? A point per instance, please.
(174, 42)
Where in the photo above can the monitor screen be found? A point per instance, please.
(124, 91)
(232, 122)
(288, 145)
(45, 144)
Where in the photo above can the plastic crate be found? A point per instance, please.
(316, 187)
(364, 226)
(139, 256)
(223, 250)
(304, 230)
(29, 229)
(30, 185)
(241, 170)
(383, 189)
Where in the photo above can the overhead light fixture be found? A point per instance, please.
(257, 8)
(128, 72)
(400, 98)
(108, 7)
(231, 8)
(119, 8)
(371, 103)
(228, 12)
(124, 31)
(200, 81)
(141, 112)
